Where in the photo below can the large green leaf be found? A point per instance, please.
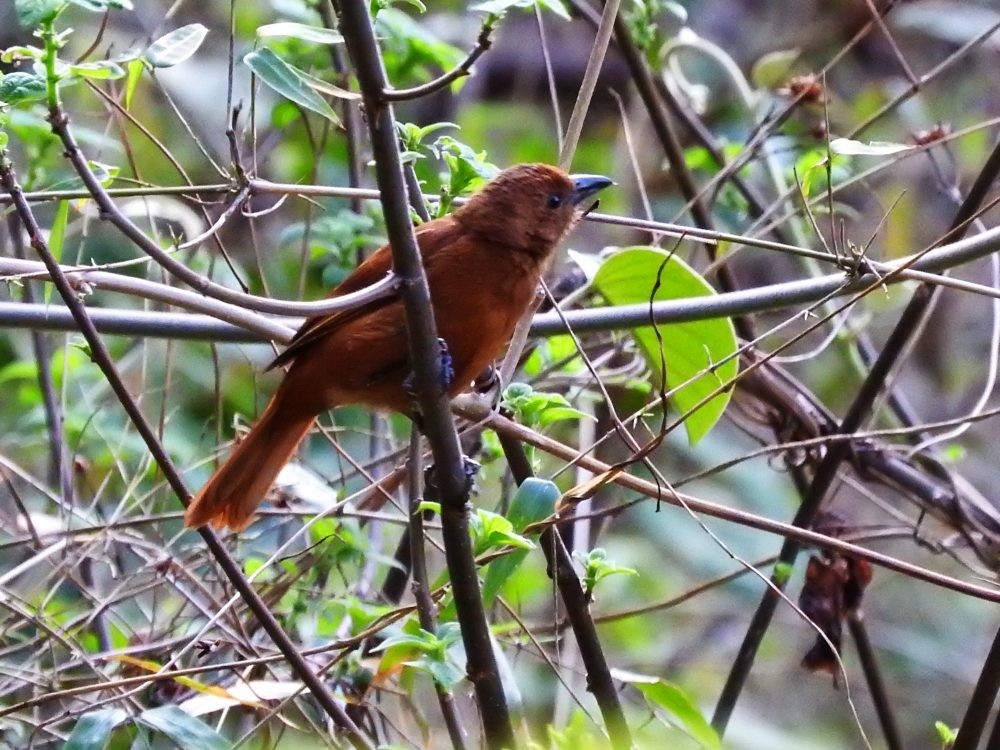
(93, 730)
(676, 702)
(638, 275)
(534, 501)
(288, 81)
(185, 731)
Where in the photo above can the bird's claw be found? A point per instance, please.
(488, 384)
(469, 468)
(445, 363)
(446, 372)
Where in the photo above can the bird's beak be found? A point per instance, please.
(586, 185)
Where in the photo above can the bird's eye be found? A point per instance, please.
(555, 201)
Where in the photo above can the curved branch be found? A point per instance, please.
(483, 43)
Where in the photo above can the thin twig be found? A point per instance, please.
(483, 43)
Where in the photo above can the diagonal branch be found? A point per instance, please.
(451, 480)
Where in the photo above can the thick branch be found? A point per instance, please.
(451, 480)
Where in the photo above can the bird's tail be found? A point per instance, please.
(238, 487)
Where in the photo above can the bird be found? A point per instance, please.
(483, 264)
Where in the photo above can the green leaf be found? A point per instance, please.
(57, 237)
(782, 572)
(175, 47)
(135, 69)
(946, 734)
(100, 70)
(500, 7)
(93, 730)
(32, 13)
(771, 70)
(629, 277)
(287, 81)
(185, 731)
(101, 6)
(534, 501)
(21, 87)
(305, 32)
(537, 408)
(675, 701)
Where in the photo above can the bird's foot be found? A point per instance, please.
(488, 384)
(446, 371)
(470, 469)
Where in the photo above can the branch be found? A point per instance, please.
(451, 480)
(760, 299)
(483, 43)
(560, 569)
(475, 411)
(99, 354)
(109, 211)
(909, 323)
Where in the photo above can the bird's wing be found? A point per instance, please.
(431, 235)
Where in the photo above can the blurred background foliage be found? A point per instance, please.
(931, 642)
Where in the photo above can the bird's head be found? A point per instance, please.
(530, 207)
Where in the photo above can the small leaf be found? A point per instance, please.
(946, 734)
(305, 32)
(135, 69)
(500, 7)
(676, 702)
(102, 6)
(687, 349)
(185, 731)
(175, 47)
(31, 13)
(21, 52)
(771, 70)
(288, 81)
(21, 87)
(93, 730)
(847, 147)
(102, 70)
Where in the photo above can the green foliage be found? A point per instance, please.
(499, 8)
(288, 81)
(176, 46)
(490, 531)
(536, 408)
(182, 729)
(92, 731)
(432, 653)
(782, 572)
(17, 88)
(695, 358)
(597, 567)
(946, 734)
(644, 23)
(667, 697)
(412, 53)
(467, 170)
(534, 501)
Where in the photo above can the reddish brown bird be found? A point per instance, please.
(483, 265)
